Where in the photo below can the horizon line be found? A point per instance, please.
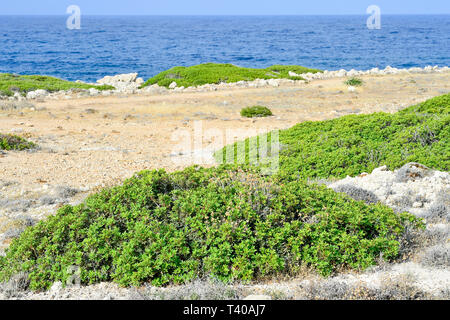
(225, 15)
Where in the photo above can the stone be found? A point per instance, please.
(93, 92)
(273, 82)
(173, 85)
(110, 80)
(56, 288)
(37, 94)
(411, 171)
(417, 205)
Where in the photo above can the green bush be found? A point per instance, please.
(356, 82)
(235, 224)
(13, 142)
(210, 73)
(256, 111)
(227, 223)
(10, 83)
(354, 144)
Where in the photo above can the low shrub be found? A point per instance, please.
(226, 223)
(17, 285)
(256, 111)
(11, 83)
(401, 287)
(214, 73)
(198, 289)
(354, 144)
(355, 82)
(13, 142)
(357, 193)
(436, 256)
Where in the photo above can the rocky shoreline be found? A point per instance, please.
(131, 83)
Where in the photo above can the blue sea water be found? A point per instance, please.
(108, 45)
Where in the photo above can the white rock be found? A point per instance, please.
(341, 73)
(413, 188)
(127, 78)
(56, 287)
(37, 94)
(261, 82)
(417, 205)
(351, 89)
(273, 82)
(352, 73)
(93, 92)
(173, 85)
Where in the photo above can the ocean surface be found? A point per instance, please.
(108, 45)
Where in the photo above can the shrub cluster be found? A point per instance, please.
(354, 144)
(13, 142)
(256, 111)
(216, 73)
(11, 83)
(233, 223)
(226, 223)
(355, 82)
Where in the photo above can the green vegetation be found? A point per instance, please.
(10, 83)
(228, 223)
(13, 142)
(355, 82)
(236, 224)
(209, 73)
(354, 144)
(256, 111)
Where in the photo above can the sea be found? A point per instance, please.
(109, 45)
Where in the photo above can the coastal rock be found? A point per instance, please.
(274, 82)
(413, 188)
(173, 85)
(124, 83)
(37, 94)
(56, 288)
(352, 73)
(93, 92)
(111, 80)
(131, 84)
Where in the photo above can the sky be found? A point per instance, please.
(223, 7)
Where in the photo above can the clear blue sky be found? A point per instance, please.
(224, 7)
